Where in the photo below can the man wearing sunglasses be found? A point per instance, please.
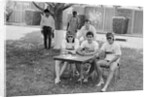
(112, 53)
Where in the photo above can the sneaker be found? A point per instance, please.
(57, 81)
(85, 80)
(77, 73)
(103, 90)
(100, 83)
(80, 79)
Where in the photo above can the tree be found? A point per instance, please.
(10, 5)
(56, 11)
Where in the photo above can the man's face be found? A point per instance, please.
(110, 39)
(70, 38)
(74, 14)
(89, 38)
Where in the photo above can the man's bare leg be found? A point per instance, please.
(57, 71)
(110, 76)
(99, 70)
(63, 68)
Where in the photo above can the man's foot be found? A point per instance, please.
(100, 83)
(80, 79)
(77, 73)
(57, 81)
(103, 90)
(85, 80)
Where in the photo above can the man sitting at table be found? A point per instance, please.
(69, 46)
(88, 47)
(112, 53)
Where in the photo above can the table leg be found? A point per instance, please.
(81, 73)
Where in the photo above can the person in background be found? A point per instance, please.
(69, 46)
(47, 28)
(81, 35)
(73, 23)
(112, 53)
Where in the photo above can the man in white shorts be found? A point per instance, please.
(112, 56)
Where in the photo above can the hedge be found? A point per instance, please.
(120, 25)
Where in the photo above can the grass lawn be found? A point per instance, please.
(30, 71)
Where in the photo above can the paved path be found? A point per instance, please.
(17, 32)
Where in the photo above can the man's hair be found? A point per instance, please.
(46, 11)
(74, 12)
(89, 33)
(87, 20)
(109, 34)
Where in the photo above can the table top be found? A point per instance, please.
(74, 58)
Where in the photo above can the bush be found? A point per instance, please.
(120, 25)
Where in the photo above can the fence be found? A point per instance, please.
(17, 16)
(100, 16)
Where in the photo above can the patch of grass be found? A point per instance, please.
(31, 72)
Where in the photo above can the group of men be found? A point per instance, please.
(84, 42)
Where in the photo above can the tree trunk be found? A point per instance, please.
(59, 36)
(58, 20)
(8, 16)
(59, 33)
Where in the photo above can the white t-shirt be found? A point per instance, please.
(70, 46)
(47, 21)
(111, 50)
(83, 31)
(90, 47)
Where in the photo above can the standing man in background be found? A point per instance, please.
(81, 35)
(73, 24)
(47, 28)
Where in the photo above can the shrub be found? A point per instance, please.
(120, 25)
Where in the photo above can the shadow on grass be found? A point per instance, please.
(30, 70)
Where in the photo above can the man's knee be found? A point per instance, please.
(101, 62)
(98, 63)
(113, 66)
(57, 62)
